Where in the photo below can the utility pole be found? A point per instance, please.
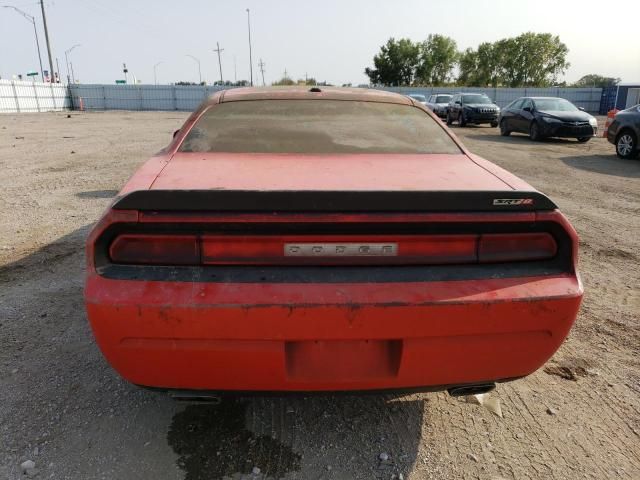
(261, 64)
(219, 50)
(32, 19)
(235, 71)
(250, 60)
(46, 36)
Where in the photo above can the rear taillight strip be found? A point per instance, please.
(165, 249)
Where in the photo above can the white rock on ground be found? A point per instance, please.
(27, 465)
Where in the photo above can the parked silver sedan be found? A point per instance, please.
(418, 98)
(439, 103)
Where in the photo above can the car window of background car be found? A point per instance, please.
(527, 103)
(555, 105)
(443, 99)
(317, 126)
(516, 104)
(482, 99)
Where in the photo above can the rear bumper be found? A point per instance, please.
(329, 337)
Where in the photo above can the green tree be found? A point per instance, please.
(595, 80)
(545, 58)
(395, 64)
(438, 57)
(468, 67)
(528, 60)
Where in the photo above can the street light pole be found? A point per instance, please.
(199, 71)
(46, 37)
(155, 77)
(32, 19)
(66, 56)
(250, 59)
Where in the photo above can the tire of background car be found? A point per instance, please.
(626, 145)
(503, 128)
(584, 139)
(534, 132)
(461, 120)
(494, 124)
(449, 121)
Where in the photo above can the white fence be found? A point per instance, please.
(25, 96)
(41, 97)
(140, 97)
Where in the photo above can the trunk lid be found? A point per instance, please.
(289, 172)
(331, 183)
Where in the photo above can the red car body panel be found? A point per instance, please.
(320, 335)
(197, 171)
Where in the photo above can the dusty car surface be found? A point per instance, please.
(327, 240)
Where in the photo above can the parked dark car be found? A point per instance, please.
(418, 97)
(474, 108)
(543, 117)
(624, 132)
(439, 103)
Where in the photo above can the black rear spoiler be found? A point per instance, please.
(333, 201)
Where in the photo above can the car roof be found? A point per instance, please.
(308, 93)
(546, 98)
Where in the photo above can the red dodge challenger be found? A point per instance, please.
(327, 239)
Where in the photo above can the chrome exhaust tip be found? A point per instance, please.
(474, 389)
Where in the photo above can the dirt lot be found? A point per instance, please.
(64, 408)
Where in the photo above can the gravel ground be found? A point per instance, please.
(63, 408)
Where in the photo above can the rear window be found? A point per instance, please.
(316, 126)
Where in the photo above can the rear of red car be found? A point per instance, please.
(296, 271)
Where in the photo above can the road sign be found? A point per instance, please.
(120, 82)
(32, 74)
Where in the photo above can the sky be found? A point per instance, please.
(329, 40)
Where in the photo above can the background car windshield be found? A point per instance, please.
(555, 105)
(476, 99)
(316, 126)
(443, 98)
(420, 98)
